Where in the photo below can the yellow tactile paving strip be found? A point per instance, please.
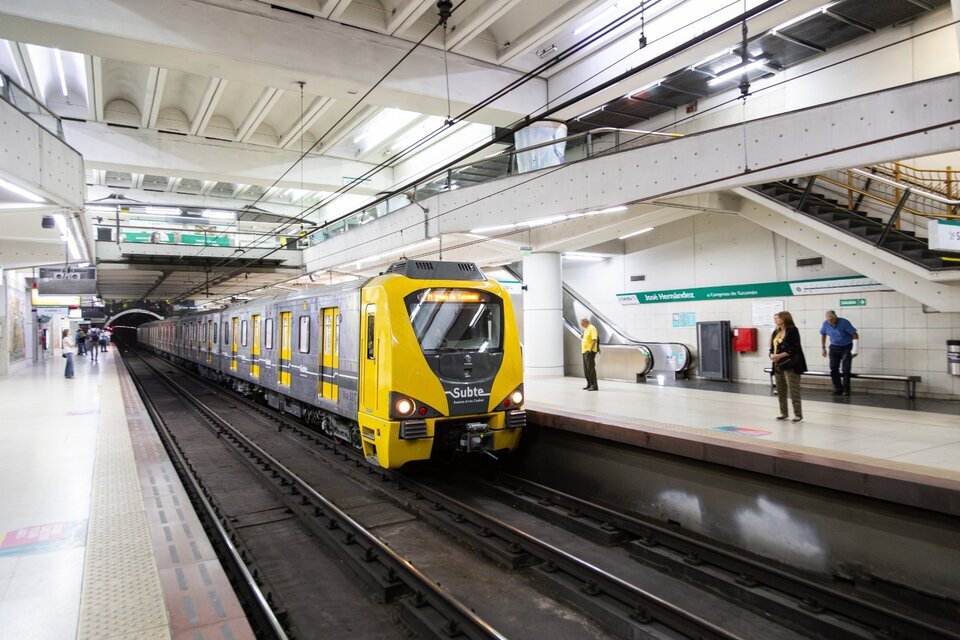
(121, 595)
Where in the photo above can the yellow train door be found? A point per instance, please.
(369, 384)
(255, 349)
(330, 353)
(284, 368)
(234, 344)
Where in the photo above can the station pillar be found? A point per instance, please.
(542, 315)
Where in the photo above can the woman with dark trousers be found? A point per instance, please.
(786, 356)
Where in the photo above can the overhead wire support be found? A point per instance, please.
(520, 122)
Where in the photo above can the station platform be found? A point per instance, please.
(904, 456)
(98, 539)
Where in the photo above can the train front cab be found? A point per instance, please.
(440, 370)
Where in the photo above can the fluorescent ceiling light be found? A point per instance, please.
(584, 257)
(544, 221)
(20, 191)
(429, 125)
(170, 211)
(101, 208)
(802, 17)
(58, 59)
(502, 227)
(592, 111)
(21, 205)
(615, 209)
(636, 233)
(738, 71)
(646, 87)
(216, 214)
(710, 59)
(67, 236)
(382, 126)
(595, 19)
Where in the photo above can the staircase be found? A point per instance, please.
(877, 229)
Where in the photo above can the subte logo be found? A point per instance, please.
(466, 393)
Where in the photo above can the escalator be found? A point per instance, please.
(622, 357)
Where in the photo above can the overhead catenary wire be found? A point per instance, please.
(609, 27)
(699, 114)
(339, 121)
(732, 101)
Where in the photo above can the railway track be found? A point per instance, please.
(607, 594)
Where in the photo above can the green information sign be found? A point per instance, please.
(853, 302)
(848, 284)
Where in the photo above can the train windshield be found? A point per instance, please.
(456, 320)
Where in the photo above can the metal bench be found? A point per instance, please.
(909, 382)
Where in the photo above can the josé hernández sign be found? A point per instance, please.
(848, 284)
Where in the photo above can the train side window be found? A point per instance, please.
(226, 332)
(370, 336)
(215, 325)
(243, 333)
(204, 332)
(268, 333)
(304, 338)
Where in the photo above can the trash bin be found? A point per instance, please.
(953, 357)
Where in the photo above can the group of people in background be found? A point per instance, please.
(91, 342)
(789, 362)
(786, 355)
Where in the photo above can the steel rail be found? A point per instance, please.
(646, 606)
(643, 607)
(264, 611)
(459, 617)
(749, 571)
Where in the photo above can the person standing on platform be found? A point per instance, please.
(68, 344)
(786, 355)
(844, 344)
(93, 337)
(590, 346)
(81, 341)
(103, 340)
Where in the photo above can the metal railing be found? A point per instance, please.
(199, 236)
(580, 146)
(23, 101)
(943, 182)
(911, 205)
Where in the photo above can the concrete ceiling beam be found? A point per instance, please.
(406, 15)
(542, 30)
(208, 105)
(338, 57)
(265, 103)
(21, 58)
(316, 109)
(477, 22)
(93, 67)
(156, 79)
(156, 153)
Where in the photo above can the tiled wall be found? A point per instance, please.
(897, 336)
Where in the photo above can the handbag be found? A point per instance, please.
(787, 364)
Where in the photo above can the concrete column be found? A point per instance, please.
(543, 315)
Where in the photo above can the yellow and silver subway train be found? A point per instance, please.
(420, 362)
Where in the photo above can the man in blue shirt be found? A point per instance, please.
(844, 344)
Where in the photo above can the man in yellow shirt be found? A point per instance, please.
(590, 345)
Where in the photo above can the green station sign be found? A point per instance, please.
(853, 302)
(847, 284)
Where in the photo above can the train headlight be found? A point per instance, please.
(516, 397)
(404, 407)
